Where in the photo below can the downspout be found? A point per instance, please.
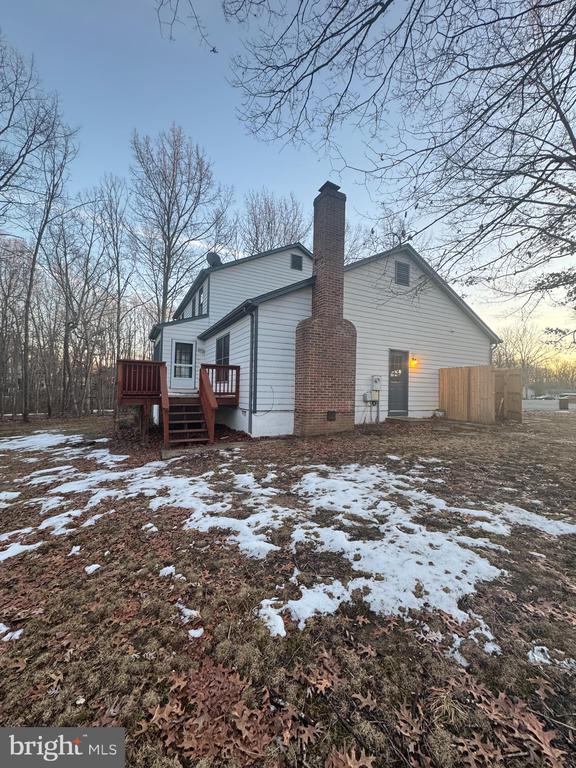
(253, 377)
(255, 365)
(251, 373)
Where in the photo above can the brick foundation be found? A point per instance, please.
(325, 361)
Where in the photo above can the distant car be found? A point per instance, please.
(545, 397)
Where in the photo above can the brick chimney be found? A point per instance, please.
(325, 362)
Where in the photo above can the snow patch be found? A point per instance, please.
(16, 549)
(6, 496)
(539, 654)
(169, 570)
(38, 441)
(150, 528)
(186, 614)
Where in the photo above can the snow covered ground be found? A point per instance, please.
(377, 519)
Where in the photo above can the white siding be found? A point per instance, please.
(187, 311)
(273, 424)
(185, 332)
(231, 286)
(224, 290)
(237, 418)
(425, 322)
(277, 321)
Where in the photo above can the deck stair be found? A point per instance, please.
(186, 418)
(186, 421)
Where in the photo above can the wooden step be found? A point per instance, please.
(189, 440)
(181, 432)
(185, 408)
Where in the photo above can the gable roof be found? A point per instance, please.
(203, 274)
(250, 304)
(428, 270)
(157, 327)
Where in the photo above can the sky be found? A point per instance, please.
(116, 72)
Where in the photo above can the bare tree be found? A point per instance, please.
(39, 212)
(115, 232)
(13, 268)
(523, 346)
(28, 118)
(467, 112)
(47, 329)
(179, 211)
(269, 221)
(551, 284)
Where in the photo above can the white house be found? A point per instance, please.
(319, 345)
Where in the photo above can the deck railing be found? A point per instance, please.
(225, 382)
(209, 403)
(139, 379)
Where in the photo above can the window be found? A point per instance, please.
(401, 273)
(193, 307)
(296, 261)
(201, 308)
(222, 357)
(223, 350)
(183, 360)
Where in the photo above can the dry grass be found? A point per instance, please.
(350, 689)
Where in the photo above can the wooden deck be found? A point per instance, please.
(187, 417)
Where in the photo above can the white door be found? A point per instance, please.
(182, 365)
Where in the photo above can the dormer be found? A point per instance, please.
(221, 286)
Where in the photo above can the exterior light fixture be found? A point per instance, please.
(414, 362)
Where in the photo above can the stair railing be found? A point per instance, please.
(165, 404)
(209, 403)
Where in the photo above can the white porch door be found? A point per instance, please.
(182, 364)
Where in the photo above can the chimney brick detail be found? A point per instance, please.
(325, 360)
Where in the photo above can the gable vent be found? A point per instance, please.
(296, 261)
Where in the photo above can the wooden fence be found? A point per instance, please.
(481, 394)
(508, 393)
